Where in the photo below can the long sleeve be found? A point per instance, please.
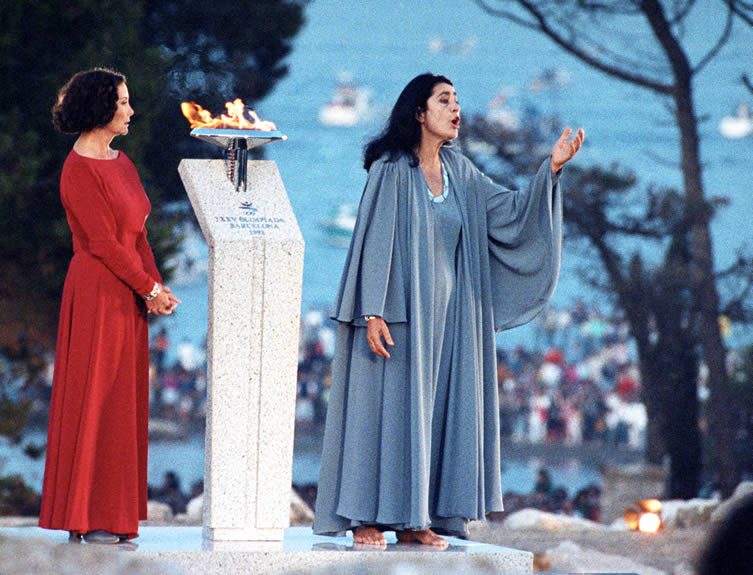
(84, 197)
(372, 282)
(525, 245)
(147, 256)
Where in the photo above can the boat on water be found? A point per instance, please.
(348, 106)
(339, 226)
(739, 125)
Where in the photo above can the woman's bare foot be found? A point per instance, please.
(369, 536)
(423, 537)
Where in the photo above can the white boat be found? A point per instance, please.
(348, 106)
(340, 225)
(739, 125)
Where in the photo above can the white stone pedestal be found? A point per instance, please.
(255, 274)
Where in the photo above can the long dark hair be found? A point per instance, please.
(403, 132)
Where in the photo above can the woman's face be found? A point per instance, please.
(441, 119)
(123, 112)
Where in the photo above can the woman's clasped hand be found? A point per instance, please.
(164, 303)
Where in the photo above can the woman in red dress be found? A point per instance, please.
(95, 474)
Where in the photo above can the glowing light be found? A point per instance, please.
(649, 523)
(644, 516)
(239, 117)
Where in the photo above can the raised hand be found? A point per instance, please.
(564, 150)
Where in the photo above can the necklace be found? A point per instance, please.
(445, 188)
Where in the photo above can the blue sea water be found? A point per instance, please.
(186, 458)
(383, 44)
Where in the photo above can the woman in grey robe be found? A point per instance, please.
(441, 257)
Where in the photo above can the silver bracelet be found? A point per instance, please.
(156, 290)
(368, 318)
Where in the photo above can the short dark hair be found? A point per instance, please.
(87, 101)
(403, 131)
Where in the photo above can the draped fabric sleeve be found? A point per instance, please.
(372, 281)
(84, 197)
(525, 245)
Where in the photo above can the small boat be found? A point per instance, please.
(340, 225)
(739, 125)
(348, 106)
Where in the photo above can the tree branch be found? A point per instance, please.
(499, 13)
(744, 10)
(723, 38)
(541, 24)
(672, 164)
(661, 27)
(682, 13)
(748, 83)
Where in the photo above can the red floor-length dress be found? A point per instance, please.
(95, 473)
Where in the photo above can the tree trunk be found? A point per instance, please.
(652, 388)
(701, 280)
(705, 295)
(683, 437)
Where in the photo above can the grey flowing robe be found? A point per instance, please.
(388, 458)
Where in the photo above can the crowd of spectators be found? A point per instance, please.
(582, 383)
(555, 499)
(171, 492)
(577, 381)
(177, 388)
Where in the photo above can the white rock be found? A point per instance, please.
(680, 513)
(726, 506)
(535, 519)
(572, 558)
(195, 509)
(158, 511)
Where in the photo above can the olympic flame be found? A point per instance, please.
(238, 117)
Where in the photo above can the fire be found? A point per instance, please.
(649, 523)
(644, 516)
(238, 117)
